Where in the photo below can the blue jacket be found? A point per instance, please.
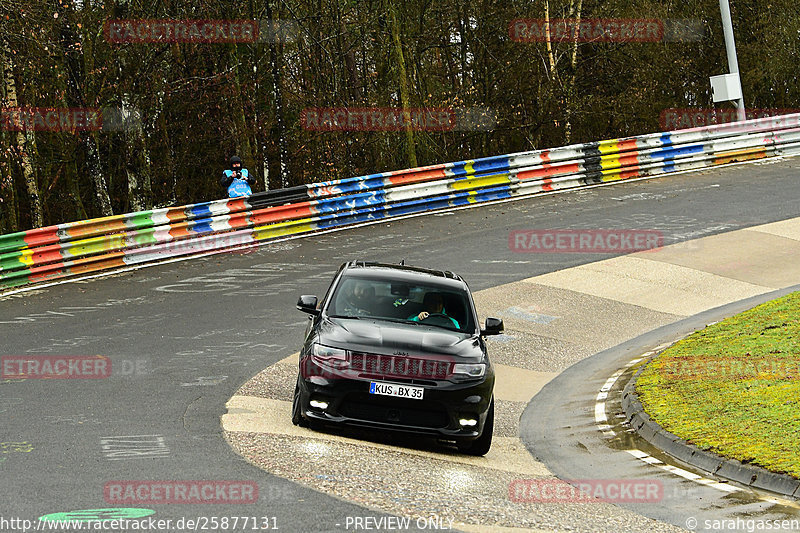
(237, 187)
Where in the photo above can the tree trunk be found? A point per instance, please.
(549, 44)
(243, 145)
(404, 94)
(137, 162)
(73, 53)
(25, 142)
(277, 95)
(575, 15)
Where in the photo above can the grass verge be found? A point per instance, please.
(733, 388)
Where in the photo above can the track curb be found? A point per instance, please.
(730, 469)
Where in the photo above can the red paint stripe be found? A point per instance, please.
(629, 160)
(549, 170)
(630, 173)
(41, 236)
(237, 204)
(627, 145)
(279, 213)
(53, 271)
(417, 177)
(547, 185)
(47, 254)
(545, 156)
(180, 231)
(93, 264)
(241, 220)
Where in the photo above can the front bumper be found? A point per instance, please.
(438, 414)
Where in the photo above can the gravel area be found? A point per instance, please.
(407, 485)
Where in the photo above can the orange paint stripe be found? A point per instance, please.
(548, 170)
(417, 177)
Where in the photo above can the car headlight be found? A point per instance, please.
(469, 370)
(329, 356)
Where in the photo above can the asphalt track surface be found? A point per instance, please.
(183, 337)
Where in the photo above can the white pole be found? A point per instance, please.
(730, 48)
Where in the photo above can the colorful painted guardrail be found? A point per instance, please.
(136, 238)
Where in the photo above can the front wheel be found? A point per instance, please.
(297, 409)
(481, 445)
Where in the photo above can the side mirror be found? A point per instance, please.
(308, 304)
(494, 326)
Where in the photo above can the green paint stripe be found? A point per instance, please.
(142, 219)
(14, 278)
(11, 261)
(12, 242)
(143, 237)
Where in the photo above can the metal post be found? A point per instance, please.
(730, 48)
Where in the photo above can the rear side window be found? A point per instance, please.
(401, 301)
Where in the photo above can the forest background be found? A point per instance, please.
(174, 112)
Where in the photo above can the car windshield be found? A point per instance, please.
(401, 301)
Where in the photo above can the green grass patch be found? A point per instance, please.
(733, 388)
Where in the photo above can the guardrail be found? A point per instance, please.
(136, 238)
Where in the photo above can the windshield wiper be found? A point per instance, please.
(345, 316)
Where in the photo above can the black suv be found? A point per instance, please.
(399, 348)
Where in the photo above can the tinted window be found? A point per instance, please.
(400, 300)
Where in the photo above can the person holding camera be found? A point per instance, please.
(237, 180)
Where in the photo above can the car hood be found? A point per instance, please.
(376, 336)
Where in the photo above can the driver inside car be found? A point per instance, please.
(434, 306)
(361, 299)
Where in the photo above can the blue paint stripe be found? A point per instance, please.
(202, 225)
(199, 210)
(673, 153)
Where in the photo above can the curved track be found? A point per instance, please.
(182, 338)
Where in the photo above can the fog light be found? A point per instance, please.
(318, 404)
(468, 422)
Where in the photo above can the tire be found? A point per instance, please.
(481, 445)
(297, 409)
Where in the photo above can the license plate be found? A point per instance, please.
(393, 389)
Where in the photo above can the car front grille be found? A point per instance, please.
(393, 411)
(400, 366)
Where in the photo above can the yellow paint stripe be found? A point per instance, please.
(94, 245)
(608, 147)
(468, 167)
(610, 161)
(283, 228)
(26, 257)
(611, 175)
(476, 183)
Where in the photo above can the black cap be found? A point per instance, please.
(236, 159)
